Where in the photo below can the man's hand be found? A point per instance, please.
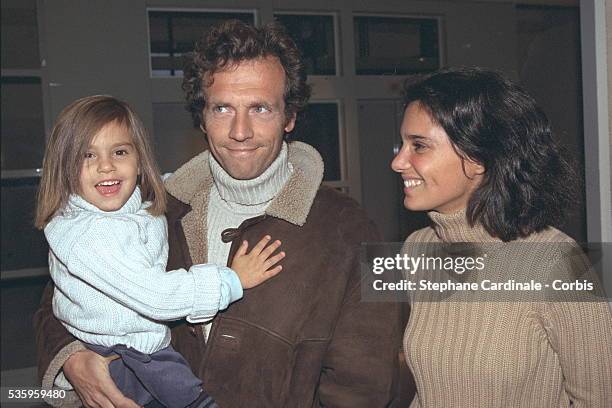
(88, 373)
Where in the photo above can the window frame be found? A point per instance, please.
(439, 22)
(337, 45)
(342, 156)
(28, 173)
(186, 10)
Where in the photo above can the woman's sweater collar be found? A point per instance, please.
(454, 227)
(259, 190)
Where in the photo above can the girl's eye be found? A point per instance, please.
(89, 155)
(121, 152)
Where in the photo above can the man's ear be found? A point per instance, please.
(203, 129)
(290, 125)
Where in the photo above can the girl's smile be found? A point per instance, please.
(108, 187)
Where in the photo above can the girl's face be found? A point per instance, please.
(110, 169)
(435, 177)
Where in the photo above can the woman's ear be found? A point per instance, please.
(480, 169)
(473, 168)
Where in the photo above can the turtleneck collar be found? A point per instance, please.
(131, 206)
(259, 190)
(455, 228)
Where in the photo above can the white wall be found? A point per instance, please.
(609, 69)
(597, 141)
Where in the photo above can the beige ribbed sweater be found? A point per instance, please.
(507, 354)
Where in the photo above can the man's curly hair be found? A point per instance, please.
(234, 41)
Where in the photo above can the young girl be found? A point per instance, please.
(101, 203)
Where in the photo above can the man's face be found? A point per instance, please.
(244, 116)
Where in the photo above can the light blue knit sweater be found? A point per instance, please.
(111, 284)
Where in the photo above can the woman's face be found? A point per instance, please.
(435, 177)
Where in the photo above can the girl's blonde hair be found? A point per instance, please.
(72, 134)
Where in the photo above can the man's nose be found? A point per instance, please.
(242, 128)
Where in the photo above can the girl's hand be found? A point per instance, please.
(257, 266)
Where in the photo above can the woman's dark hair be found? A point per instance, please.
(527, 185)
(234, 41)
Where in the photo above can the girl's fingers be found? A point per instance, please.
(273, 260)
(274, 271)
(261, 245)
(270, 249)
(243, 248)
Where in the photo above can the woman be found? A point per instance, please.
(478, 155)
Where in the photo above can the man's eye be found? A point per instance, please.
(261, 109)
(221, 109)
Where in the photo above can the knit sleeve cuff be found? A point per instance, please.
(215, 288)
(54, 370)
(231, 287)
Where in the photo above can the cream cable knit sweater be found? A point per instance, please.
(233, 201)
(112, 287)
(507, 354)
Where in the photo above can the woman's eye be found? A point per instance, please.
(418, 147)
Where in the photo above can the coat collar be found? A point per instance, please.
(192, 182)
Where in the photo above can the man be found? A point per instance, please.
(304, 338)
